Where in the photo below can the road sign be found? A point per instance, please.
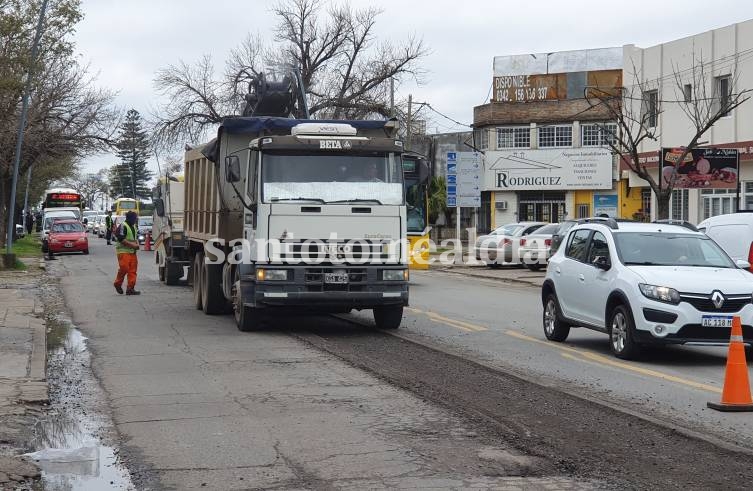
(452, 179)
(452, 168)
(469, 179)
(452, 201)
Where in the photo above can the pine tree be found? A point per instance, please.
(130, 178)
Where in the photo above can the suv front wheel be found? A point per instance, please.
(554, 328)
(622, 333)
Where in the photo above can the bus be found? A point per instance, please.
(124, 205)
(416, 177)
(59, 199)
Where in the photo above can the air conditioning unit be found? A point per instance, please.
(500, 205)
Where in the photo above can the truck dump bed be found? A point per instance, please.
(202, 200)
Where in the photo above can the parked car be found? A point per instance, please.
(87, 218)
(497, 247)
(534, 247)
(733, 232)
(67, 235)
(645, 283)
(20, 231)
(145, 225)
(47, 220)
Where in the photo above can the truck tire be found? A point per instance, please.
(388, 317)
(172, 273)
(196, 270)
(247, 319)
(212, 300)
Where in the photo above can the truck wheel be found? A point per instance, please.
(246, 318)
(212, 300)
(196, 269)
(388, 317)
(172, 273)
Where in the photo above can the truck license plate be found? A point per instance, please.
(338, 276)
(716, 321)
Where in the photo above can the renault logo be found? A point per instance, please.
(718, 299)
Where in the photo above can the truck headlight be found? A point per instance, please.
(660, 293)
(395, 275)
(271, 274)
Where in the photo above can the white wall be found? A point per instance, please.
(724, 51)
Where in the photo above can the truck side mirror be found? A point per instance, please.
(159, 207)
(232, 168)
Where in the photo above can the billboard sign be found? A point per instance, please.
(702, 168)
(605, 204)
(548, 169)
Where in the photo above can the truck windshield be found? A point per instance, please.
(332, 177)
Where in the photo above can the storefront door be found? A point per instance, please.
(537, 206)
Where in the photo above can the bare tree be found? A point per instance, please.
(636, 108)
(345, 71)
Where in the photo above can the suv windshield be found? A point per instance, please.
(667, 249)
(375, 177)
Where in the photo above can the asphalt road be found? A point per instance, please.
(321, 402)
(500, 323)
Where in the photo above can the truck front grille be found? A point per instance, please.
(334, 251)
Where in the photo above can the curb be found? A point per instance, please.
(493, 278)
(38, 361)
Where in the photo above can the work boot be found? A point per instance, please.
(131, 291)
(118, 289)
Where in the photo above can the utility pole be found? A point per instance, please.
(26, 197)
(408, 122)
(20, 137)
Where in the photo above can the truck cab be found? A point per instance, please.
(306, 214)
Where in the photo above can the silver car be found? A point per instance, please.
(535, 248)
(498, 246)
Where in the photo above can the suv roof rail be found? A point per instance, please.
(681, 223)
(609, 222)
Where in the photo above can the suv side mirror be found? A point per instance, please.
(232, 168)
(602, 262)
(159, 207)
(742, 264)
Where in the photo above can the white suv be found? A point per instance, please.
(645, 283)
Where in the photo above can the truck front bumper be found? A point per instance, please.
(309, 286)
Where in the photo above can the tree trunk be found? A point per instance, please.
(4, 198)
(663, 202)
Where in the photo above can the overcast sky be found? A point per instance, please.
(126, 42)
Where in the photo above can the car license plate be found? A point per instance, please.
(716, 321)
(69, 244)
(338, 276)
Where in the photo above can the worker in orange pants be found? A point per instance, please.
(127, 248)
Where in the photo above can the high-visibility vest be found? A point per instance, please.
(130, 235)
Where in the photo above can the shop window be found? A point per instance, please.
(514, 137)
(555, 136)
(679, 204)
(597, 135)
(584, 211)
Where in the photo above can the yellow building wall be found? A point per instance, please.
(583, 197)
(629, 205)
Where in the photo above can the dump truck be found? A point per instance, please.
(287, 213)
(170, 252)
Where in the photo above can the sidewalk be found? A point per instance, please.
(510, 274)
(23, 355)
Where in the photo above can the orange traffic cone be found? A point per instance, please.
(736, 393)
(148, 242)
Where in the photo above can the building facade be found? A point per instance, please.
(544, 142)
(704, 67)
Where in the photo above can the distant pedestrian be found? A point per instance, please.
(108, 227)
(127, 249)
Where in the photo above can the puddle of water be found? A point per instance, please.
(70, 441)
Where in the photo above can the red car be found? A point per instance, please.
(67, 236)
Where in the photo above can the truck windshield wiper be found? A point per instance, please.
(356, 200)
(318, 200)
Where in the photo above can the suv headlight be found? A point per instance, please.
(660, 293)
